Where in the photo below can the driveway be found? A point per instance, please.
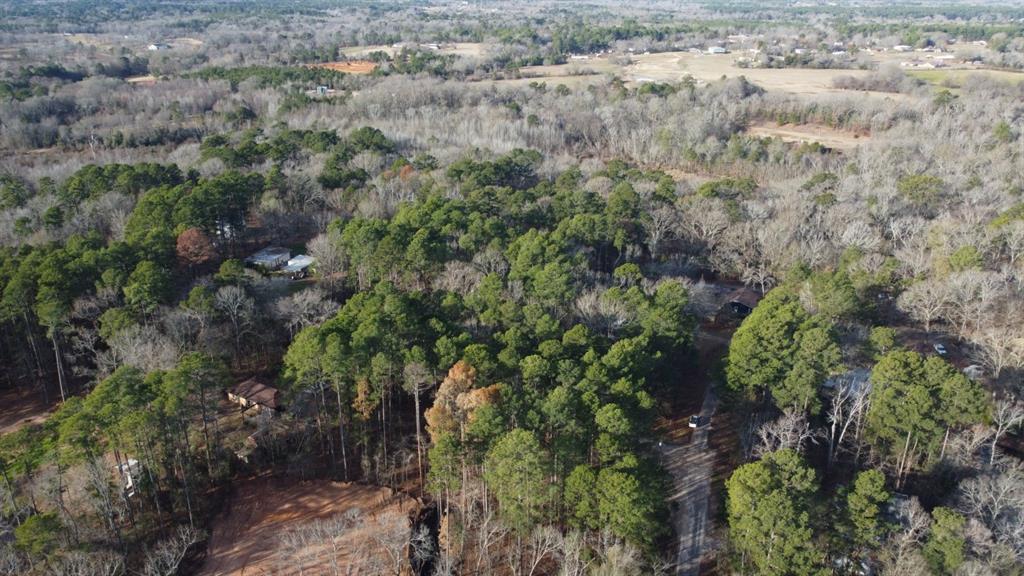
(691, 466)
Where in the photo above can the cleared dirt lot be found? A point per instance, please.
(147, 80)
(20, 409)
(349, 66)
(259, 533)
(825, 135)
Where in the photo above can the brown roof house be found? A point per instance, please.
(256, 397)
(742, 301)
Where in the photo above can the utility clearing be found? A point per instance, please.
(315, 527)
(348, 66)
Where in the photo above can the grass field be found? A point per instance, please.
(955, 78)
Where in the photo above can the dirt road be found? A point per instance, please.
(691, 466)
(692, 463)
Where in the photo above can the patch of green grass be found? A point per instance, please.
(956, 78)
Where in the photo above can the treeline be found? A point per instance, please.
(263, 76)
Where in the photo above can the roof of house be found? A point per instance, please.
(857, 380)
(299, 262)
(255, 391)
(744, 296)
(269, 254)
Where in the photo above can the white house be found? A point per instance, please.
(298, 267)
(128, 471)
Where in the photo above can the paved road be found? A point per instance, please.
(691, 466)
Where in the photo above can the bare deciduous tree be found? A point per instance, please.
(545, 543)
(849, 404)
(901, 555)
(925, 301)
(304, 308)
(1007, 414)
(659, 227)
(996, 499)
(238, 308)
(165, 558)
(789, 431)
(330, 259)
(80, 563)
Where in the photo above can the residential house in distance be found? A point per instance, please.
(157, 47)
(270, 258)
(256, 397)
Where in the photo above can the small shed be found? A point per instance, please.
(269, 258)
(299, 267)
(742, 301)
(256, 396)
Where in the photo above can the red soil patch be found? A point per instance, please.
(19, 409)
(349, 66)
(255, 535)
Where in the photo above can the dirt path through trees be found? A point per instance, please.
(692, 465)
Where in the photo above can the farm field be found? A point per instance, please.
(252, 535)
(674, 66)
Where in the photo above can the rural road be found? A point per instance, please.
(691, 466)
